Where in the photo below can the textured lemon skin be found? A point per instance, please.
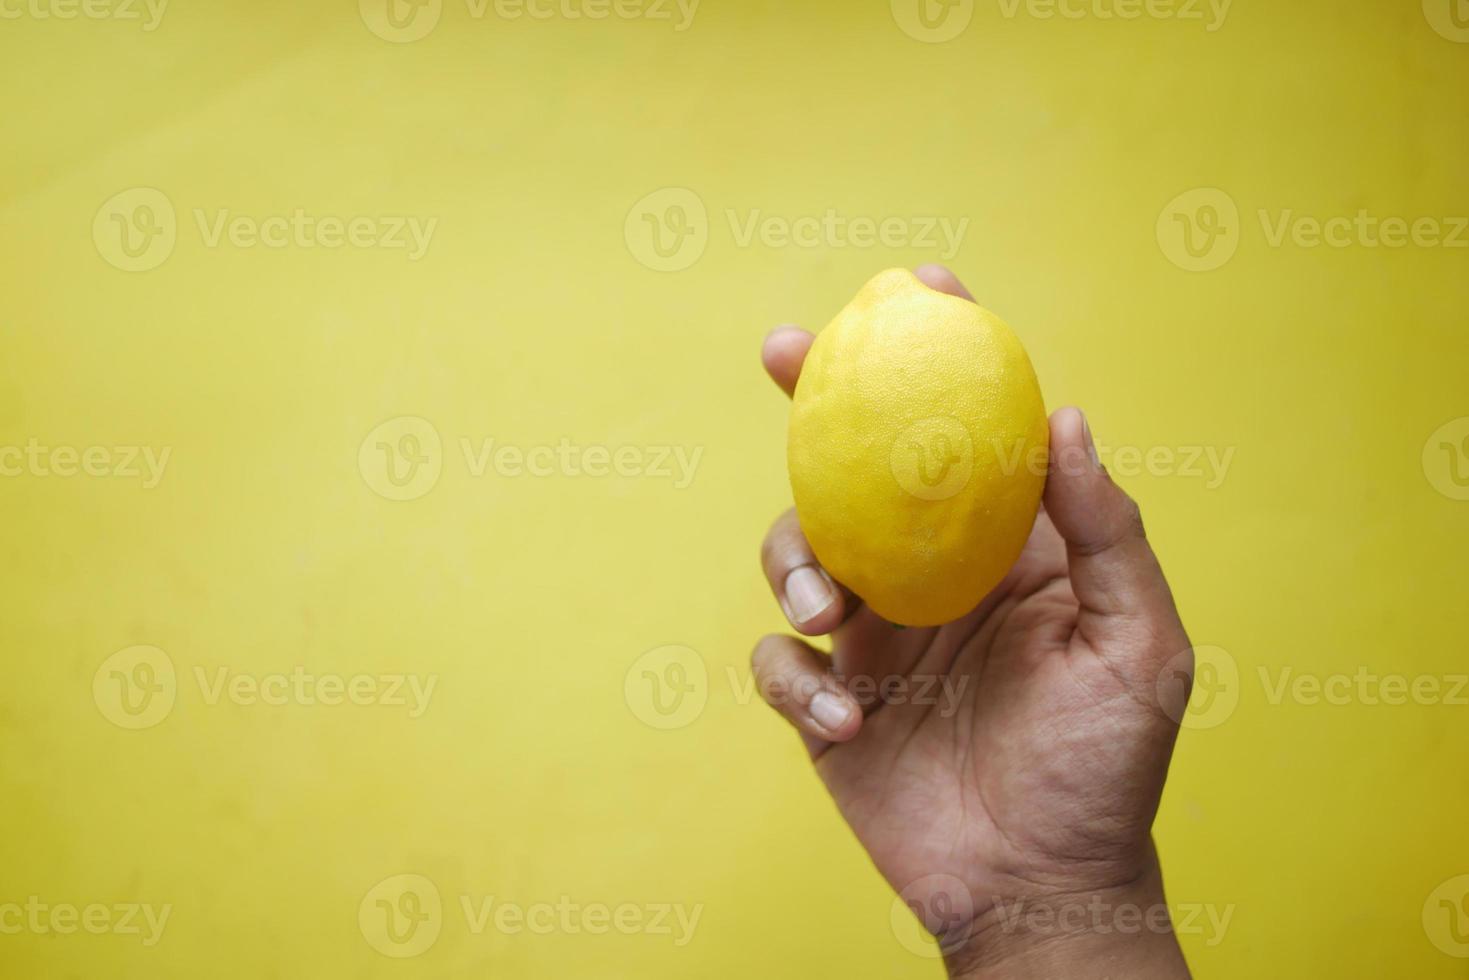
(894, 502)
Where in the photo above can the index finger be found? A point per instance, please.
(783, 353)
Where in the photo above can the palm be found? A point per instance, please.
(1032, 755)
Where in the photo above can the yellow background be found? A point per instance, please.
(1328, 547)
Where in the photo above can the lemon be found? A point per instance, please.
(917, 450)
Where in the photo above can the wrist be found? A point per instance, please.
(1121, 931)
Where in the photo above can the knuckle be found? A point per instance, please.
(765, 654)
(784, 546)
(777, 543)
(767, 547)
(1132, 517)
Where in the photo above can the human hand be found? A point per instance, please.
(1009, 762)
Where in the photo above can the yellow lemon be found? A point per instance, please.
(917, 450)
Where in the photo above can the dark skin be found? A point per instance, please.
(1035, 778)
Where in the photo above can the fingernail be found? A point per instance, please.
(808, 593)
(830, 711)
(1086, 433)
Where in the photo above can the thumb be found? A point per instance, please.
(1114, 573)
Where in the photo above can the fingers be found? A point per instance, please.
(797, 682)
(783, 353)
(785, 347)
(1113, 570)
(811, 600)
(940, 278)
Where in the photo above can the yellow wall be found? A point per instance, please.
(1331, 544)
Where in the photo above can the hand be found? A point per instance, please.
(1003, 770)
